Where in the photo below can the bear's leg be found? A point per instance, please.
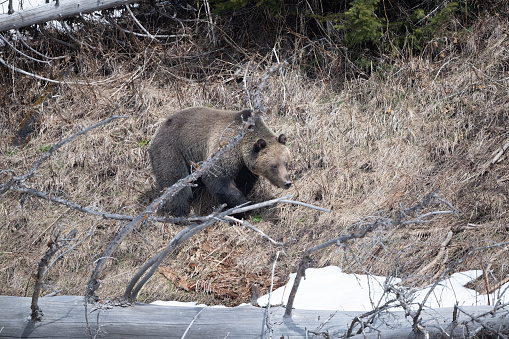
(225, 190)
(246, 180)
(179, 205)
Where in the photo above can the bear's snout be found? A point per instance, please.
(287, 185)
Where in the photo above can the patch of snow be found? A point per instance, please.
(329, 288)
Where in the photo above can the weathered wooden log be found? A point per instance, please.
(55, 11)
(64, 317)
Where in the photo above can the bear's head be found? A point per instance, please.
(269, 159)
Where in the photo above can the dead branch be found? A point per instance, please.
(271, 202)
(497, 286)
(160, 36)
(134, 286)
(19, 70)
(104, 215)
(152, 265)
(54, 245)
(139, 24)
(247, 224)
(257, 101)
(371, 315)
(23, 54)
(61, 255)
(266, 316)
(480, 322)
(429, 200)
(20, 38)
(68, 32)
(180, 220)
(416, 316)
(439, 255)
(500, 153)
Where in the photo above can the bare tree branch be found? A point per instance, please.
(20, 38)
(266, 316)
(136, 284)
(160, 36)
(247, 224)
(416, 315)
(19, 70)
(61, 255)
(139, 24)
(23, 54)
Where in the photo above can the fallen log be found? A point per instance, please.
(64, 317)
(55, 11)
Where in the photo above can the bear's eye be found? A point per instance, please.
(274, 168)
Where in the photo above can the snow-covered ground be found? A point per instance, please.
(329, 288)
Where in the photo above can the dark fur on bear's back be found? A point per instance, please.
(191, 135)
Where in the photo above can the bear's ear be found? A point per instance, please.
(282, 139)
(259, 145)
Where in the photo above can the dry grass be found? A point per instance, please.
(376, 143)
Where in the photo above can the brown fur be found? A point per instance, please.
(191, 135)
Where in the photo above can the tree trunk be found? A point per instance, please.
(65, 316)
(55, 11)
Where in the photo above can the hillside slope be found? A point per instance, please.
(361, 145)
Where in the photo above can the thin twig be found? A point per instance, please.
(100, 82)
(191, 323)
(89, 234)
(499, 154)
(139, 24)
(439, 255)
(305, 205)
(161, 36)
(23, 54)
(480, 322)
(20, 36)
(247, 224)
(266, 319)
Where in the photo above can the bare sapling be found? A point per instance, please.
(55, 243)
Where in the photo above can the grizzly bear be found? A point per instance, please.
(189, 136)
